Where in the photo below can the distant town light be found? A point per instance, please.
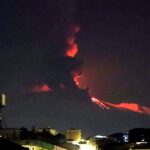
(100, 136)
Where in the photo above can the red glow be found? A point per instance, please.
(130, 106)
(72, 51)
(73, 47)
(76, 81)
(41, 88)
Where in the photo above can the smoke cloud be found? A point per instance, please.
(36, 54)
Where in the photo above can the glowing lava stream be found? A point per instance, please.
(130, 106)
(71, 52)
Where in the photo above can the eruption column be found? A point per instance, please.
(71, 52)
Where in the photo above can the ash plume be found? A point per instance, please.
(60, 72)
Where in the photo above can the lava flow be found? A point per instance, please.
(71, 52)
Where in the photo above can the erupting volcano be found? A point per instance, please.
(76, 76)
(71, 52)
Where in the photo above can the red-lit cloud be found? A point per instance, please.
(72, 46)
(41, 88)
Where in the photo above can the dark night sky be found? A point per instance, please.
(113, 46)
